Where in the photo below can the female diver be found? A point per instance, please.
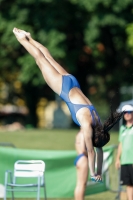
(83, 113)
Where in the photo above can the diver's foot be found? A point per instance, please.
(27, 34)
(19, 34)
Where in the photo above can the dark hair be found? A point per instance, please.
(101, 135)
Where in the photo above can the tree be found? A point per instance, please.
(88, 38)
(106, 40)
(129, 31)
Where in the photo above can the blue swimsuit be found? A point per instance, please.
(69, 82)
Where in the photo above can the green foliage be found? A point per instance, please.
(129, 31)
(89, 38)
(106, 35)
(52, 40)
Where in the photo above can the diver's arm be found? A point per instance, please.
(87, 132)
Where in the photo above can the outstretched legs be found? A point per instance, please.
(48, 56)
(50, 73)
(45, 52)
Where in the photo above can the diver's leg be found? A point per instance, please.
(81, 167)
(46, 53)
(82, 175)
(52, 77)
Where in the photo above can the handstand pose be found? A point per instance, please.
(67, 87)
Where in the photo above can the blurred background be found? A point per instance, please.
(93, 40)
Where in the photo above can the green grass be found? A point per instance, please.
(41, 139)
(45, 139)
(57, 140)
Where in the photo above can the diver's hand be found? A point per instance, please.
(96, 178)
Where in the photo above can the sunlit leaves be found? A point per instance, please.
(65, 28)
(129, 31)
(52, 40)
(29, 71)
